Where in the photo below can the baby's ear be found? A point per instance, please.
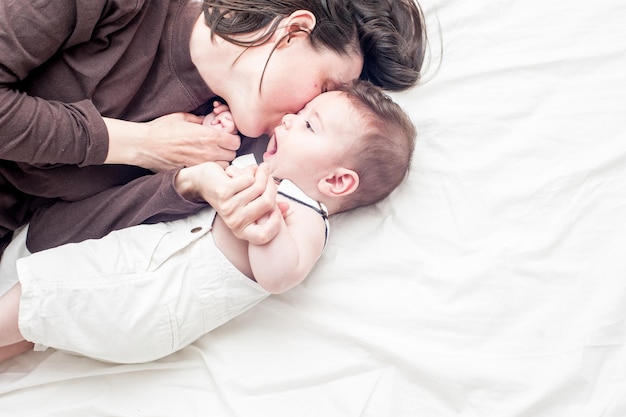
(340, 183)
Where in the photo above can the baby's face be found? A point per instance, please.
(307, 146)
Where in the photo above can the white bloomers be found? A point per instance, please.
(136, 295)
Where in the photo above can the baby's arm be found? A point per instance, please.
(289, 239)
(287, 259)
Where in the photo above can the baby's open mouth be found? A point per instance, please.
(272, 145)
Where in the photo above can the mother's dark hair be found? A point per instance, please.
(391, 33)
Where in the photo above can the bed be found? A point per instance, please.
(491, 283)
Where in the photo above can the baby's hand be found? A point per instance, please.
(220, 118)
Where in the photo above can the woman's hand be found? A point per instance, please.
(245, 198)
(171, 141)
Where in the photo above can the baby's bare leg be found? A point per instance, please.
(15, 349)
(9, 310)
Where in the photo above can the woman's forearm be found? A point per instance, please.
(147, 199)
(171, 141)
(125, 139)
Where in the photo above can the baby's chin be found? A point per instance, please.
(268, 158)
(272, 162)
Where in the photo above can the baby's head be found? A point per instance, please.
(346, 148)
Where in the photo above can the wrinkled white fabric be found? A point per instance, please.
(136, 295)
(491, 284)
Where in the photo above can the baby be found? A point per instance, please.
(141, 293)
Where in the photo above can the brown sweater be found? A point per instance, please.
(63, 65)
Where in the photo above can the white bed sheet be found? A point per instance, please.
(492, 283)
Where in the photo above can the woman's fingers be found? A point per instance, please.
(249, 205)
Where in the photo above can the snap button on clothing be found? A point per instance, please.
(196, 229)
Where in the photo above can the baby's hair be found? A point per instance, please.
(382, 155)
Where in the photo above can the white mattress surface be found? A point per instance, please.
(491, 284)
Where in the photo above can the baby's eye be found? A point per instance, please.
(308, 125)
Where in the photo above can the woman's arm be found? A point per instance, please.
(164, 196)
(35, 40)
(170, 141)
(148, 199)
(31, 129)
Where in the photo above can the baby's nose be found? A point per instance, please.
(287, 121)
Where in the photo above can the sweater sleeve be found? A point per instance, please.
(148, 199)
(32, 129)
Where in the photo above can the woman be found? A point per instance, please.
(87, 82)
